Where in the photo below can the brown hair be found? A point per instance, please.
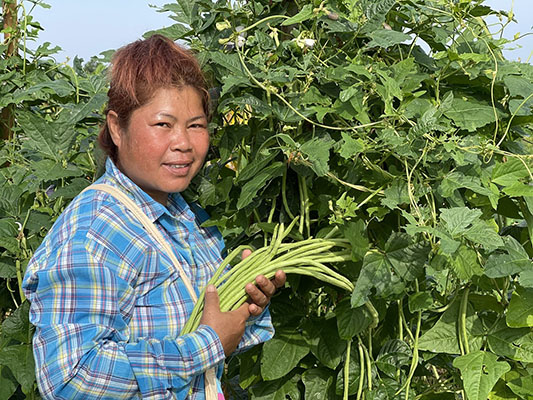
(138, 70)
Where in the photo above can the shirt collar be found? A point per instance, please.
(149, 206)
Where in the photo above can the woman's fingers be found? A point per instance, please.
(260, 293)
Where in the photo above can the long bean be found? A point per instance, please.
(306, 257)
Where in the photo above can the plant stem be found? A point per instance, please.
(347, 371)
(361, 370)
(462, 325)
(284, 195)
(368, 368)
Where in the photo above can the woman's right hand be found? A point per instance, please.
(229, 325)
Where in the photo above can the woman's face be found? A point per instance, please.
(165, 143)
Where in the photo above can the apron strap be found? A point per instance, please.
(211, 392)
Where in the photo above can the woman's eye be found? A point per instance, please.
(197, 126)
(163, 124)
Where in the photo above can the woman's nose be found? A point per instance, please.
(180, 140)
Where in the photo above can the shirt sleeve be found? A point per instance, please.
(259, 329)
(81, 305)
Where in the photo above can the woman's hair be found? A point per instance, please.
(138, 70)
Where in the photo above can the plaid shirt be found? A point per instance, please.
(108, 306)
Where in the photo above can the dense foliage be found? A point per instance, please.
(49, 159)
(396, 124)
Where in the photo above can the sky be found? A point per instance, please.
(88, 27)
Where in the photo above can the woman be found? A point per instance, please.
(107, 303)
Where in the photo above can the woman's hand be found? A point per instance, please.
(259, 294)
(229, 326)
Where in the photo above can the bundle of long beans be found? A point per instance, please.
(305, 257)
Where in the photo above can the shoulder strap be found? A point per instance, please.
(150, 228)
(210, 376)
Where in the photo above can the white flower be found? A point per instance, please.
(309, 43)
(241, 40)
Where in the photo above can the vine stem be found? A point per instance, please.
(361, 370)
(462, 320)
(347, 371)
(351, 185)
(368, 367)
(414, 362)
(284, 195)
(291, 107)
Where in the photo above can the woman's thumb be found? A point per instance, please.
(211, 302)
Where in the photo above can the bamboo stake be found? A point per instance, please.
(9, 13)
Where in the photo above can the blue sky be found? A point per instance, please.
(88, 27)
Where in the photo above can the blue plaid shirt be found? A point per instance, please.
(108, 306)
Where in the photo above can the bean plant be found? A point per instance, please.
(394, 126)
(399, 126)
(48, 159)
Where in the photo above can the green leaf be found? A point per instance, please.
(375, 272)
(280, 389)
(76, 113)
(305, 13)
(249, 367)
(513, 343)
(8, 383)
(173, 32)
(420, 301)
(182, 10)
(41, 135)
(457, 180)
(514, 261)
(19, 359)
(376, 10)
(72, 190)
(480, 371)
(330, 348)
(61, 87)
(484, 233)
(386, 38)
(351, 321)
(49, 170)
(393, 355)
(256, 166)
(350, 147)
(281, 354)
(520, 89)
(406, 258)
(250, 189)
(519, 312)
(7, 268)
(519, 189)
(317, 152)
(317, 382)
(8, 227)
(355, 232)
(230, 62)
(509, 172)
(465, 263)
(396, 194)
(402, 261)
(522, 386)
(17, 325)
(471, 114)
(458, 220)
(525, 278)
(442, 337)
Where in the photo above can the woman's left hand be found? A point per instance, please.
(259, 294)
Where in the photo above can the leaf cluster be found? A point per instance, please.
(398, 125)
(51, 113)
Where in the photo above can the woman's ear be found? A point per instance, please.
(114, 128)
